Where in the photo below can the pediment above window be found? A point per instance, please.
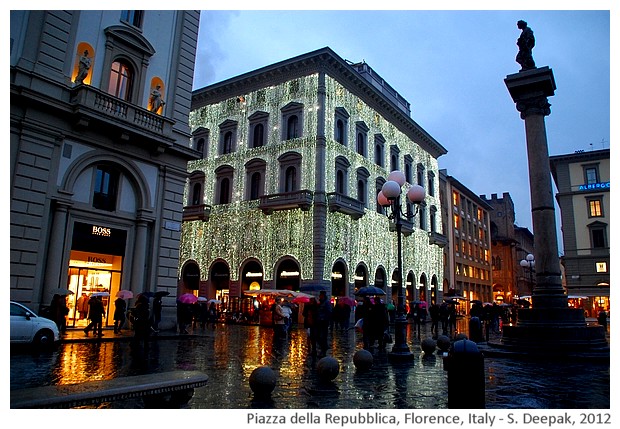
(130, 38)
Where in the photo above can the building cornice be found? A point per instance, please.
(320, 61)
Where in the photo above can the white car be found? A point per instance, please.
(28, 328)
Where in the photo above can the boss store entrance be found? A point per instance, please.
(95, 267)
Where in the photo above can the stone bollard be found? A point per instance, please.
(443, 343)
(263, 381)
(465, 366)
(328, 368)
(362, 359)
(428, 346)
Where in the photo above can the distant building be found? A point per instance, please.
(284, 197)
(526, 276)
(583, 183)
(466, 222)
(510, 244)
(98, 161)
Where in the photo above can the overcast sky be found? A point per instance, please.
(450, 65)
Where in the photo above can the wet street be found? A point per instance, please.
(229, 353)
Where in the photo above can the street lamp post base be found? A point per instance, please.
(400, 350)
(396, 356)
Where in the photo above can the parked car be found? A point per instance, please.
(29, 328)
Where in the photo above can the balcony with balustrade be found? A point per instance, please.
(92, 106)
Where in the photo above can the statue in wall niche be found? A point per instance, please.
(83, 68)
(526, 43)
(156, 100)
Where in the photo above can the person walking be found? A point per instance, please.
(157, 305)
(444, 314)
(59, 311)
(95, 315)
(435, 317)
(212, 314)
(278, 319)
(323, 321)
(311, 315)
(141, 321)
(417, 318)
(82, 306)
(120, 307)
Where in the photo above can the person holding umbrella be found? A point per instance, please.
(120, 306)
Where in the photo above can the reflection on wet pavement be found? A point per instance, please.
(229, 353)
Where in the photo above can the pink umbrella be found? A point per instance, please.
(187, 298)
(347, 300)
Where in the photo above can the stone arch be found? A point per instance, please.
(90, 159)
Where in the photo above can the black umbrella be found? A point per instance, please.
(148, 294)
(369, 291)
(161, 293)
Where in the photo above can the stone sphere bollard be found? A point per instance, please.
(428, 346)
(263, 381)
(328, 368)
(362, 359)
(443, 342)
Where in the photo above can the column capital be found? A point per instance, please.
(534, 106)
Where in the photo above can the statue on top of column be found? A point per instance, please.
(525, 42)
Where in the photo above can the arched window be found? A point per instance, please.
(360, 143)
(340, 131)
(259, 133)
(224, 191)
(228, 137)
(121, 79)
(342, 175)
(290, 183)
(223, 184)
(228, 140)
(379, 155)
(362, 186)
(342, 124)
(255, 182)
(197, 194)
(292, 127)
(340, 182)
(255, 171)
(290, 172)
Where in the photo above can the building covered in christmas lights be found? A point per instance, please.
(284, 197)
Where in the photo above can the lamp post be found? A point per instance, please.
(390, 196)
(528, 262)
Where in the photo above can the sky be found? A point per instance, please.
(450, 65)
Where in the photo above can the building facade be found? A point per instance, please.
(99, 148)
(468, 255)
(582, 180)
(509, 245)
(294, 155)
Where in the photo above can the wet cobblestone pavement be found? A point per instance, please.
(229, 353)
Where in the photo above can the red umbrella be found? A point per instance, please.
(301, 299)
(187, 298)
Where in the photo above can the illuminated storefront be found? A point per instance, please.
(95, 266)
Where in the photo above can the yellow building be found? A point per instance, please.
(583, 183)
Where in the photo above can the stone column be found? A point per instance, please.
(56, 249)
(530, 89)
(319, 205)
(139, 258)
(550, 326)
